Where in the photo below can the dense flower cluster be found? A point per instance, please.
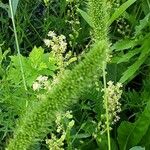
(56, 143)
(113, 95)
(40, 83)
(58, 45)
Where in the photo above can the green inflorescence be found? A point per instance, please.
(99, 15)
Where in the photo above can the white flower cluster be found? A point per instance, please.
(61, 117)
(57, 43)
(56, 143)
(113, 95)
(40, 83)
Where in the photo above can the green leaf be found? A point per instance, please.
(82, 136)
(35, 57)
(131, 18)
(14, 5)
(131, 70)
(143, 23)
(1, 56)
(42, 66)
(130, 134)
(146, 142)
(126, 57)
(85, 16)
(120, 11)
(102, 142)
(137, 148)
(14, 72)
(15, 61)
(124, 44)
(145, 50)
(145, 6)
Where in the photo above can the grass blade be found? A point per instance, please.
(120, 11)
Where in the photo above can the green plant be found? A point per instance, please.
(71, 68)
(69, 88)
(38, 63)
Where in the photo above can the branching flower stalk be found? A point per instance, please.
(64, 124)
(111, 105)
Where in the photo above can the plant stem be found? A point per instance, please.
(17, 44)
(106, 105)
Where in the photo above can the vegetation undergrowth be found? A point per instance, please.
(74, 74)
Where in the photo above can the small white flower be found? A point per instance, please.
(36, 86)
(113, 92)
(63, 43)
(42, 78)
(55, 47)
(51, 34)
(47, 42)
(62, 37)
(119, 85)
(69, 115)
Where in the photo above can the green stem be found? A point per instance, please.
(17, 44)
(106, 106)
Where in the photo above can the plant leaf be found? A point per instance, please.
(130, 134)
(131, 70)
(128, 56)
(124, 44)
(120, 11)
(85, 16)
(146, 142)
(4, 6)
(35, 57)
(142, 25)
(137, 148)
(145, 50)
(14, 5)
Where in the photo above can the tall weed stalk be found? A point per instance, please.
(17, 43)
